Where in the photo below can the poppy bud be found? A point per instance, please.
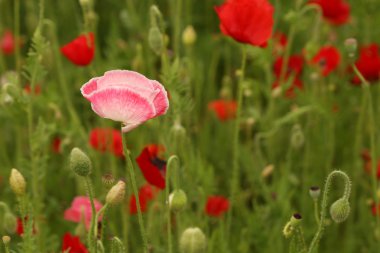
(80, 163)
(17, 182)
(340, 210)
(6, 239)
(314, 192)
(189, 36)
(155, 39)
(193, 241)
(177, 200)
(351, 46)
(10, 222)
(116, 194)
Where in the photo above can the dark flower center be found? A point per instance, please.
(160, 164)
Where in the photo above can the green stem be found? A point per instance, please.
(132, 176)
(346, 195)
(102, 210)
(91, 241)
(316, 211)
(17, 39)
(235, 154)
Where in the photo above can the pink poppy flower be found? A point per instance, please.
(7, 42)
(126, 96)
(80, 210)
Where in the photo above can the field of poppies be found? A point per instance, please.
(183, 126)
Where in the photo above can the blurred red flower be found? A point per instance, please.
(72, 244)
(279, 42)
(337, 12)
(366, 156)
(216, 206)
(7, 42)
(290, 91)
(146, 194)
(368, 64)
(107, 139)
(328, 59)
(223, 109)
(152, 167)
(246, 21)
(295, 66)
(56, 145)
(20, 226)
(81, 50)
(28, 89)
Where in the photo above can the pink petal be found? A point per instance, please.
(122, 104)
(89, 87)
(161, 101)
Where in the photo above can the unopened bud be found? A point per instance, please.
(116, 194)
(267, 171)
(17, 182)
(189, 36)
(80, 163)
(10, 222)
(351, 46)
(340, 210)
(314, 192)
(177, 200)
(155, 39)
(193, 241)
(6, 239)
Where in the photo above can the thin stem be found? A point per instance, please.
(132, 176)
(346, 195)
(316, 211)
(17, 39)
(90, 239)
(169, 227)
(102, 210)
(235, 154)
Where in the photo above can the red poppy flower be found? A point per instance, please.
(7, 42)
(72, 244)
(146, 194)
(368, 64)
(246, 21)
(56, 145)
(81, 50)
(337, 12)
(368, 163)
(216, 206)
(290, 92)
(328, 59)
(223, 109)
(20, 226)
(295, 66)
(152, 167)
(107, 139)
(28, 89)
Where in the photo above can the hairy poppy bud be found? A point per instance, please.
(351, 46)
(9, 222)
(189, 36)
(80, 163)
(17, 182)
(116, 194)
(314, 192)
(177, 200)
(155, 39)
(193, 241)
(340, 210)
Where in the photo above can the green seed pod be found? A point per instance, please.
(155, 39)
(80, 163)
(177, 200)
(295, 220)
(314, 192)
(193, 241)
(340, 210)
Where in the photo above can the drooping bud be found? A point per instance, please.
(351, 46)
(17, 182)
(116, 194)
(314, 192)
(80, 163)
(193, 241)
(340, 210)
(189, 36)
(177, 200)
(6, 239)
(10, 222)
(155, 39)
